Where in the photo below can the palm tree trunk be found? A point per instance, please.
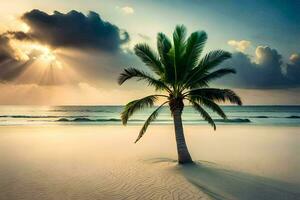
(182, 150)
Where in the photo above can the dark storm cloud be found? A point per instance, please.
(18, 35)
(10, 66)
(265, 72)
(74, 29)
(6, 52)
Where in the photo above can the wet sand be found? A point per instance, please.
(102, 162)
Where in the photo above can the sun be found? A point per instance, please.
(47, 54)
(44, 54)
(42, 63)
(40, 51)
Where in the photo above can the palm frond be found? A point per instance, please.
(164, 46)
(213, 59)
(194, 47)
(215, 94)
(205, 78)
(179, 40)
(217, 74)
(209, 104)
(179, 35)
(149, 57)
(208, 62)
(140, 75)
(204, 114)
(151, 118)
(170, 70)
(136, 105)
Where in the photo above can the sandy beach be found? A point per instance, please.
(102, 162)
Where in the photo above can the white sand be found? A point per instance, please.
(101, 162)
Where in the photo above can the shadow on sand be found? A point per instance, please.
(224, 184)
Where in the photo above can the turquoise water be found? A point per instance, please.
(110, 115)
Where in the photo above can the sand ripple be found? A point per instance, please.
(121, 180)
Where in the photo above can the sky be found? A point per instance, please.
(55, 52)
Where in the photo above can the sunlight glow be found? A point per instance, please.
(36, 51)
(24, 27)
(43, 52)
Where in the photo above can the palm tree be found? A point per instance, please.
(179, 72)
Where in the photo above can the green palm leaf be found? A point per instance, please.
(151, 118)
(140, 75)
(217, 74)
(205, 78)
(209, 104)
(179, 37)
(208, 62)
(164, 46)
(136, 105)
(204, 114)
(144, 52)
(194, 47)
(213, 59)
(215, 94)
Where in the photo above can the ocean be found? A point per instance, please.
(110, 115)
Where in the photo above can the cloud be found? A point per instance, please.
(295, 58)
(127, 10)
(74, 30)
(12, 62)
(293, 68)
(6, 51)
(265, 70)
(268, 57)
(15, 61)
(32, 56)
(241, 45)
